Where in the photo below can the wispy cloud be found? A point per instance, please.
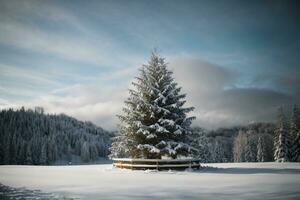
(70, 38)
(9, 71)
(60, 45)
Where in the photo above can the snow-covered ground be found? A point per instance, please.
(218, 181)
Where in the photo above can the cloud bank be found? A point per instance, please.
(219, 102)
(210, 88)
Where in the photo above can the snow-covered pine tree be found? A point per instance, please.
(154, 122)
(118, 147)
(281, 140)
(93, 152)
(250, 148)
(200, 141)
(69, 153)
(28, 158)
(43, 157)
(218, 152)
(261, 150)
(85, 152)
(295, 135)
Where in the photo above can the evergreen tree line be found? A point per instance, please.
(259, 142)
(32, 137)
(253, 146)
(236, 144)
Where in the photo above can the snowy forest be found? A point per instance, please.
(32, 137)
(236, 144)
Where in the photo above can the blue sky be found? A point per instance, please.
(236, 60)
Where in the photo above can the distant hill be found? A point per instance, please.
(32, 137)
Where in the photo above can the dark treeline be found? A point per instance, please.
(32, 137)
(251, 143)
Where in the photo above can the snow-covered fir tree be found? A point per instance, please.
(251, 146)
(117, 149)
(261, 157)
(28, 155)
(295, 135)
(154, 122)
(43, 157)
(281, 140)
(85, 152)
(248, 156)
(218, 154)
(200, 141)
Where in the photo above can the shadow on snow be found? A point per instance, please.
(238, 170)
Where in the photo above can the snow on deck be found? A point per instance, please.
(218, 181)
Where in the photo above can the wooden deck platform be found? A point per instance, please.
(156, 164)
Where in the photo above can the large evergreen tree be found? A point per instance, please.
(295, 135)
(281, 140)
(154, 122)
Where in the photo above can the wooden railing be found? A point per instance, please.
(156, 164)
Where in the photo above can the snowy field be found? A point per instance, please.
(218, 181)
